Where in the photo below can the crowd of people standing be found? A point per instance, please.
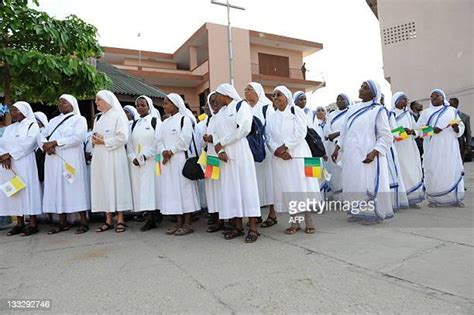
(133, 160)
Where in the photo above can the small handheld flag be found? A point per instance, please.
(140, 148)
(13, 186)
(312, 167)
(454, 121)
(400, 134)
(69, 172)
(202, 117)
(158, 164)
(212, 168)
(427, 131)
(203, 159)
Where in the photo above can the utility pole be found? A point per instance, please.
(229, 36)
(139, 50)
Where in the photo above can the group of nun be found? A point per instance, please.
(136, 160)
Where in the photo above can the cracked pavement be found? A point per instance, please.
(419, 262)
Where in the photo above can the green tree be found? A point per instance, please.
(42, 57)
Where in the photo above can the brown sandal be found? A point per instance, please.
(292, 230)
(233, 234)
(310, 230)
(172, 230)
(269, 222)
(104, 227)
(120, 228)
(184, 230)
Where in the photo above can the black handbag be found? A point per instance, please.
(314, 141)
(191, 169)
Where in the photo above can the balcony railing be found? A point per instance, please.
(292, 72)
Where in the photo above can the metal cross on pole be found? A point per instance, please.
(229, 36)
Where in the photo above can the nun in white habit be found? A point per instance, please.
(299, 99)
(238, 178)
(442, 163)
(262, 108)
(212, 187)
(408, 153)
(141, 149)
(332, 132)
(397, 185)
(177, 195)
(285, 136)
(365, 141)
(62, 140)
(17, 156)
(110, 177)
(41, 119)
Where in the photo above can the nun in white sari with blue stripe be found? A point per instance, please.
(408, 153)
(364, 141)
(444, 172)
(334, 125)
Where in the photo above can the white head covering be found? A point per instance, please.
(131, 110)
(114, 103)
(151, 109)
(228, 90)
(376, 91)
(209, 101)
(178, 102)
(283, 89)
(396, 98)
(347, 98)
(73, 101)
(26, 110)
(41, 117)
(297, 95)
(439, 91)
(262, 98)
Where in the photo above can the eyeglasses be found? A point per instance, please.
(321, 110)
(277, 94)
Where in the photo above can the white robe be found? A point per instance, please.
(176, 194)
(334, 124)
(213, 187)
(442, 164)
(19, 139)
(199, 131)
(366, 128)
(264, 168)
(397, 184)
(110, 177)
(310, 116)
(409, 158)
(239, 192)
(141, 146)
(319, 126)
(59, 195)
(284, 127)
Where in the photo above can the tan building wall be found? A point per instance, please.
(436, 52)
(218, 56)
(295, 57)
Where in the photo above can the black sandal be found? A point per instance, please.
(16, 230)
(59, 228)
(104, 228)
(252, 236)
(82, 228)
(269, 222)
(214, 228)
(120, 228)
(30, 230)
(233, 234)
(149, 225)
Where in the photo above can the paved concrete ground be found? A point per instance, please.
(419, 262)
